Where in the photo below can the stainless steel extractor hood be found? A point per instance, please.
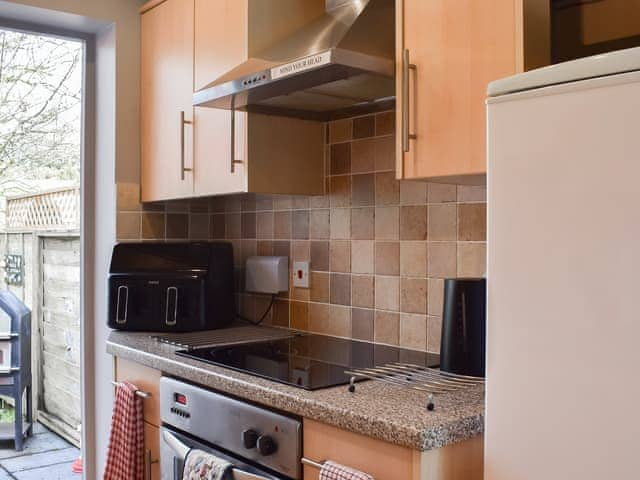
(338, 65)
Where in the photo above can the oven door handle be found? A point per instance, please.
(182, 450)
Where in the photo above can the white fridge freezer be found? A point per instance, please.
(563, 333)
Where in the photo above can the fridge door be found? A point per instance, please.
(564, 282)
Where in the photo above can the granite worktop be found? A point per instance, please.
(382, 411)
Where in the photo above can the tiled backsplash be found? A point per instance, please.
(379, 248)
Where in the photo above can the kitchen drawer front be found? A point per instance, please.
(146, 379)
(151, 452)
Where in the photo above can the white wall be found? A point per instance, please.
(113, 155)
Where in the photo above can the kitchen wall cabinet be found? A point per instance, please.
(222, 34)
(167, 84)
(148, 380)
(384, 461)
(446, 54)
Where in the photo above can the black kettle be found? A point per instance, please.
(464, 327)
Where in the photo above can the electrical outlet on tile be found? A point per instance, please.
(301, 274)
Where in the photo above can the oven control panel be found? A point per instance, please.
(269, 438)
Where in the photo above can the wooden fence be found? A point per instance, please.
(52, 210)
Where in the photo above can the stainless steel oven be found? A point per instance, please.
(259, 443)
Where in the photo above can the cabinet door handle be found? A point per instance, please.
(183, 122)
(233, 137)
(147, 464)
(407, 66)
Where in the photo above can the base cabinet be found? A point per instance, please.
(385, 461)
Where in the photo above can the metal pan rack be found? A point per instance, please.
(423, 379)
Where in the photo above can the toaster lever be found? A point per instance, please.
(171, 314)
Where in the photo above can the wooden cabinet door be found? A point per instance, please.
(220, 45)
(146, 379)
(151, 452)
(457, 48)
(167, 84)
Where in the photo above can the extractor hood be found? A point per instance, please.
(338, 65)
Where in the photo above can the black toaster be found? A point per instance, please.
(171, 287)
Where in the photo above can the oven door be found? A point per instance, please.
(174, 447)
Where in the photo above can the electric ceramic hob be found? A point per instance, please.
(307, 361)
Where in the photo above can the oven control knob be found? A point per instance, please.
(250, 438)
(267, 445)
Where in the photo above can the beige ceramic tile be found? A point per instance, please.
(233, 226)
(387, 223)
(264, 202)
(300, 224)
(387, 189)
(281, 313)
(362, 288)
(364, 127)
(387, 293)
(363, 223)
(413, 295)
(264, 224)
(282, 224)
(385, 154)
(413, 259)
(472, 259)
(340, 289)
(362, 256)
(233, 203)
(340, 159)
(340, 321)
(435, 296)
(282, 202)
(362, 324)
(217, 226)
(319, 201)
(128, 197)
(178, 226)
(300, 250)
(386, 328)
(385, 123)
(413, 331)
(413, 222)
(319, 223)
(340, 131)
(441, 259)
(340, 191)
(413, 192)
(442, 222)
(128, 225)
(199, 226)
(441, 193)
(434, 334)
(300, 202)
(319, 318)
(153, 226)
(340, 256)
(319, 283)
(363, 156)
(363, 190)
(340, 222)
(472, 193)
(265, 248)
(300, 315)
(387, 258)
(320, 256)
(472, 222)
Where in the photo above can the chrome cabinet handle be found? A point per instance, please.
(183, 122)
(233, 137)
(406, 67)
(147, 464)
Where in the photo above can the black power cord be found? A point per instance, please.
(264, 315)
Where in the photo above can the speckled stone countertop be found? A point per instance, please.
(382, 411)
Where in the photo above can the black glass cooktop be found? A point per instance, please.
(307, 361)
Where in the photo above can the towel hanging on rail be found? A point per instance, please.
(334, 471)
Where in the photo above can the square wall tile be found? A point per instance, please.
(340, 321)
(434, 334)
(413, 259)
(442, 222)
(362, 324)
(282, 224)
(128, 197)
(319, 223)
(386, 328)
(413, 192)
(233, 226)
(441, 193)
(387, 189)
(362, 255)
(387, 220)
(319, 318)
(300, 219)
(441, 259)
(319, 283)
(472, 222)
(363, 190)
(340, 221)
(282, 248)
(340, 191)
(248, 225)
(340, 289)
(299, 315)
(217, 230)
(385, 123)
(282, 202)
(199, 226)
(281, 313)
(340, 162)
(363, 223)
(413, 295)
(320, 256)
(387, 258)
(362, 288)
(413, 222)
(264, 225)
(340, 256)
(363, 156)
(435, 296)
(387, 293)
(472, 193)
(129, 226)
(300, 251)
(364, 127)
(413, 331)
(472, 259)
(153, 225)
(340, 131)
(385, 154)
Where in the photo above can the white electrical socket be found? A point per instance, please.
(301, 274)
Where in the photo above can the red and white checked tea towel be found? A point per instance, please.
(125, 457)
(334, 471)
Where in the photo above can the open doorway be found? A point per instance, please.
(41, 115)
